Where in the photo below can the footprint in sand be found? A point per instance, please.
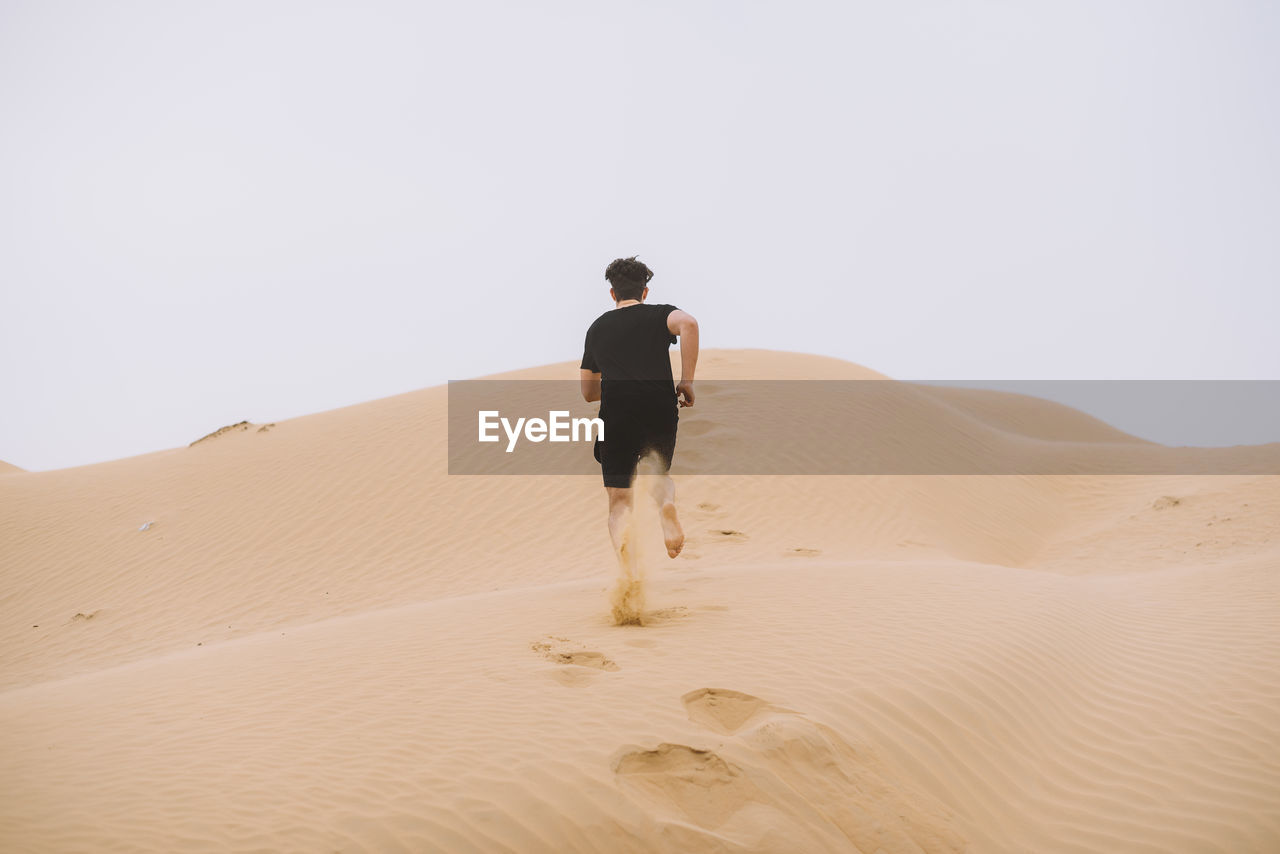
(728, 534)
(699, 783)
(800, 552)
(726, 711)
(783, 755)
(584, 658)
(559, 651)
(662, 616)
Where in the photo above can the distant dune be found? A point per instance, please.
(6, 468)
(307, 636)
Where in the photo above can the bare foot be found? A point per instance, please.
(672, 533)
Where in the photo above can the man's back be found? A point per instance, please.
(628, 347)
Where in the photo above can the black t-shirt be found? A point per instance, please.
(628, 347)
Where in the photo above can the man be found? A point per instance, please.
(625, 366)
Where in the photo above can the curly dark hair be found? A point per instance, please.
(628, 277)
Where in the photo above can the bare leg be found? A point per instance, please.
(619, 510)
(664, 493)
(627, 598)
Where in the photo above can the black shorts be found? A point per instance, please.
(626, 441)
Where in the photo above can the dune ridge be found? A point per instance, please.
(323, 642)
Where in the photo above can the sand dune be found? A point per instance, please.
(309, 637)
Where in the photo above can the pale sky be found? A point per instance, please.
(212, 212)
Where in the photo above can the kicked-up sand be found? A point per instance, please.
(305, 636)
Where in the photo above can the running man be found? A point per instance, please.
(625, 366)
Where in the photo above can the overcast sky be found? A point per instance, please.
(221, 211)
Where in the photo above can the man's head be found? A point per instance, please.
(629, 279)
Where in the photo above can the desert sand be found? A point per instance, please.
(305, 636)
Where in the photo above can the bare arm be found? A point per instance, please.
(590, 382)
(683, 324)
